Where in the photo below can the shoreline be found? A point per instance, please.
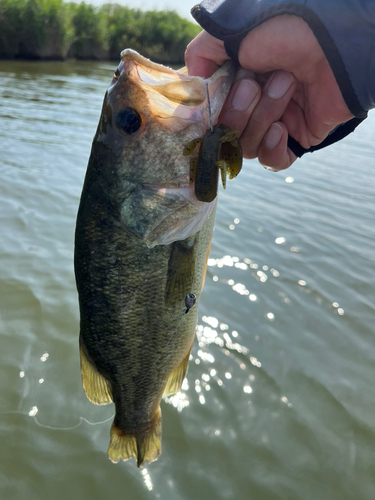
(77, 60)
(38, 30)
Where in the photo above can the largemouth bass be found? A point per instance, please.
(141, 246)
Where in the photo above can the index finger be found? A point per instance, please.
(204, 55)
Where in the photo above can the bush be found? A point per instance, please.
(90, 29)
(10, 27)
(46, 29)
(53, 29)
(160, 35)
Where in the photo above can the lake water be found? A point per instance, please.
(279, 401)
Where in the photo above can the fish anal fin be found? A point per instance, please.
(177, 376)
(97, 388)
(143, 446)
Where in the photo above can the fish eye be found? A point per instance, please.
(129, 121)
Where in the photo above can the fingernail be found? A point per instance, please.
(280, 85)
(271, 169)
(244, 95)
(274, 135)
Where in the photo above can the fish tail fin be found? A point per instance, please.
(177, 376)
(97, 388)
(143, 446)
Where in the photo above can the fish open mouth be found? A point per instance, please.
(175, 98)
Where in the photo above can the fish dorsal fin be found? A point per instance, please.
(97, 388)
(177, 376)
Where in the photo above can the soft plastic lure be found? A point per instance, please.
(219, 149)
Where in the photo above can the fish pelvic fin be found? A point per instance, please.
(97, 388)
(143, 446)
(177, 376)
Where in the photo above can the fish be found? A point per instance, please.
(141, 245)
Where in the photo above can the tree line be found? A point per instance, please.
(54, 29)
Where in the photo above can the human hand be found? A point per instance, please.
(285, 86)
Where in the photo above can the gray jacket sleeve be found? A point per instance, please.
(345, 30)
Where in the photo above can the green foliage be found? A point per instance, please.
(56, 29)
(34, 28)
(10, 26)
(50, 27)
(90, 28)
(159, 35)
(123, 28)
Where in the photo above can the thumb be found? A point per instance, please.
(204, 55)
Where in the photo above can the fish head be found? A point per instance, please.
(150, 113)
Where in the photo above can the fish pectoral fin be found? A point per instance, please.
(143, 446)
(177, 376)
(97, 388)
(181, 269)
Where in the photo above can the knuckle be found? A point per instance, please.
(249, 152)
(190, 51)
